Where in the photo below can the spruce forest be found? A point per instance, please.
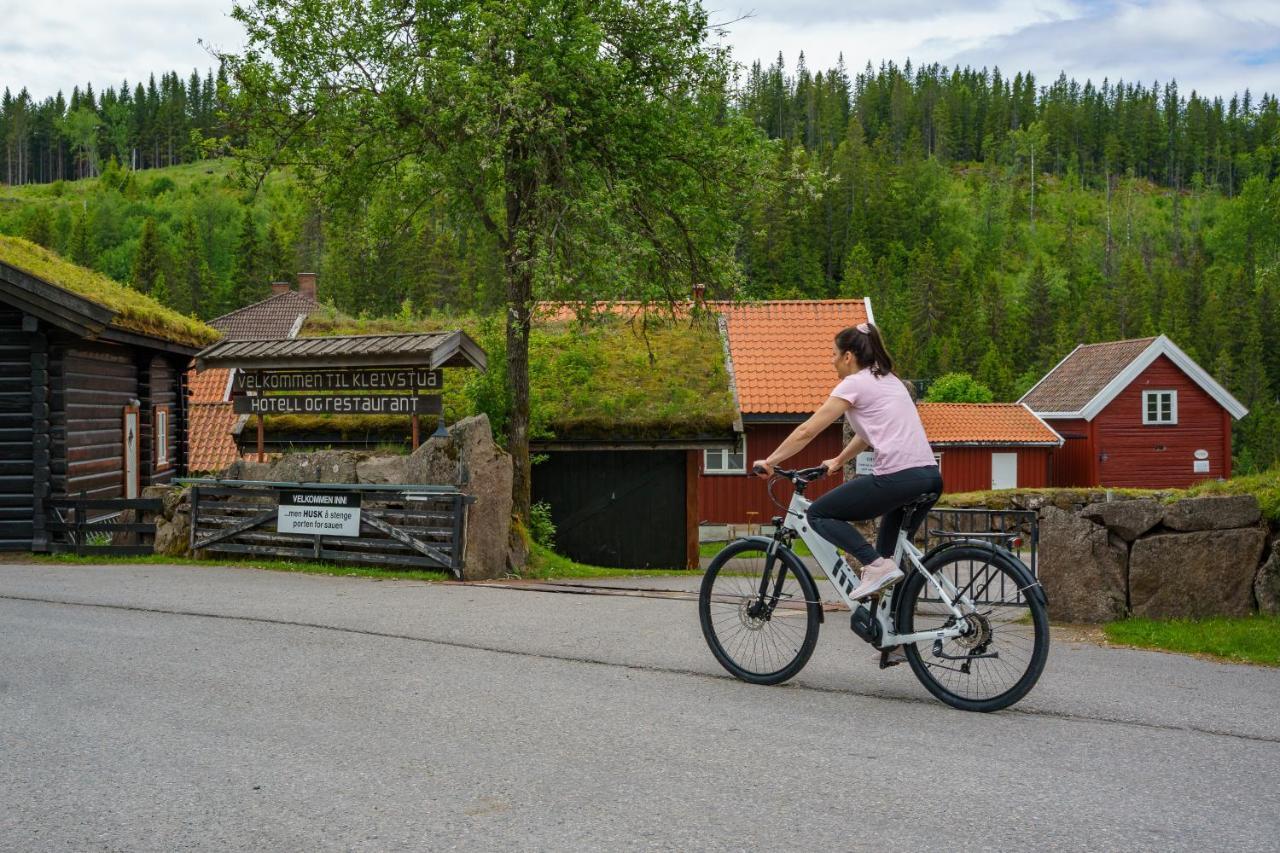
(995, 221)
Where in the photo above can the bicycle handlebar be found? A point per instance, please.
(800, 475)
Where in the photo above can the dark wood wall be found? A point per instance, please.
(92, 384)
(16, 446)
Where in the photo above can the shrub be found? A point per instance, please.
(958, 388)
(541, 527)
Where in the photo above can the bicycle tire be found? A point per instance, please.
(962, 561)
(788, 648)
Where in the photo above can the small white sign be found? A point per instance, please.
(319, 513)
(864, 462)
(1200, 466)
(1202, 454)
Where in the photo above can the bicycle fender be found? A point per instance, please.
(794, 563)
(1019, 568)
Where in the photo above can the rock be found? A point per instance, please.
(325, 466)
(1202, 573)
(469, 459)
(1213, 512)
(1081, 568)
(171, 496)
(1126, 519)
(382, 469)
(1266, 586)
(244, 469)
(173, 535)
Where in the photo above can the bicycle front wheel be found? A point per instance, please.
(759, 611)
(1002, 655)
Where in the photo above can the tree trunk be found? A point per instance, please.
(519, 307)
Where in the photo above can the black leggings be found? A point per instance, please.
(865, 498)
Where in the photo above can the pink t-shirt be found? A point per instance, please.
(882, 412)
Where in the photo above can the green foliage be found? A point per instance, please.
(958, 388)
(1247, 639)
(1264, 485)
(148, 265)
(541, 527)
(135, 311)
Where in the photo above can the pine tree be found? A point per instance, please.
(191, 286)
(248, 283)
(80, 245)
(160, 290)
(147, 261)
(40, 227)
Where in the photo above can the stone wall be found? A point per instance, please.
(467, 458)
(1105, 556)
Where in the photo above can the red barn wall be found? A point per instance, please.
(727, 498)
(1070, 466)
(1158, 457)
(968, 469)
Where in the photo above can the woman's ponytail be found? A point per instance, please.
(864, 341)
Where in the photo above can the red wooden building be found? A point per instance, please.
(1137, 413)
(983, 446)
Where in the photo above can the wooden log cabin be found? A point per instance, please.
(92, 399)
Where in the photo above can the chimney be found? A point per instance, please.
(278, 287)
(307, 284)
(699, 295)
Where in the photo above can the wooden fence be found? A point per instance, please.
(422, 527)
(109, 526)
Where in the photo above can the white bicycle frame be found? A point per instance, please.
(845, 581)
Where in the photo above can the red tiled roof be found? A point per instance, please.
(211, 447)
(209, 386)
(984, 423)
(1080, 376)
(273, 317)
(781, 351)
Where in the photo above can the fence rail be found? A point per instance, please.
(106, 526)
(1016, 530)
(418, 527)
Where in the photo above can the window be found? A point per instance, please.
(162, 436)
(723, 461)
(1159, 407)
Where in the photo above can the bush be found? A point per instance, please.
(541, 527)
(958, 388)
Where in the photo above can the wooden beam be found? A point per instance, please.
(41, 435)
(693, 555)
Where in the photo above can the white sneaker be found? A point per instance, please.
(877, 575)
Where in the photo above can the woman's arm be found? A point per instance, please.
(855, 446)
(827, 414)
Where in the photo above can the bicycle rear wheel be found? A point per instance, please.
(759, 612)
(1000, 659)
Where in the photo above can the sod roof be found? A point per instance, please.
(134, 311)
(608, 380)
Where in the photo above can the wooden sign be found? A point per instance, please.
(319, 513)
(357, 381)
(339, 404)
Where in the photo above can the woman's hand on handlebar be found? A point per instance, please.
(762, 469)
(832, 465)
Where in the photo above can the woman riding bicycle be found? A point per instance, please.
(883, 417)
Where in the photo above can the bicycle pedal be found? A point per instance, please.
(891, 657)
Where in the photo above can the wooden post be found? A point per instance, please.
(693, 557)
(261, 427)
(413, 419)
(41, 434)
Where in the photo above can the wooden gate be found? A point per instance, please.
(421, 527)
(105, 526)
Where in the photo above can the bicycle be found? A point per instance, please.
(760, 609)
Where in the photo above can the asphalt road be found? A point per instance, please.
(175, 708)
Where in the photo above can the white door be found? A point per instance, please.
(130, 452)
(1004, 470)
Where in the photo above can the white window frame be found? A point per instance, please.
(162, 437)
(724, 454)
(1158, 394)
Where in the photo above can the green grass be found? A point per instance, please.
(710, 549)
(543, 565)
(1249, 639)
(134, 311)
(1265, 486)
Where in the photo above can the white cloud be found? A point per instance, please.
(1214, 47)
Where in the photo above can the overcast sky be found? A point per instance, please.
(1213, 46)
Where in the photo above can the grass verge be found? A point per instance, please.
(1248, 639)
(710, 549)
(543, 565)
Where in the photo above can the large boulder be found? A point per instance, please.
(1081, 567)
(173, 535)
(325, 466)
(470, 459)
(1126, 519)
(1205, 572)
(1214, 512)
(247, 469)
(382, 469)
(1266, 586)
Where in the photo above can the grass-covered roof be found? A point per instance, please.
(135, 311)
(611, 379)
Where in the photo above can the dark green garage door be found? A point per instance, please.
(621, 508)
